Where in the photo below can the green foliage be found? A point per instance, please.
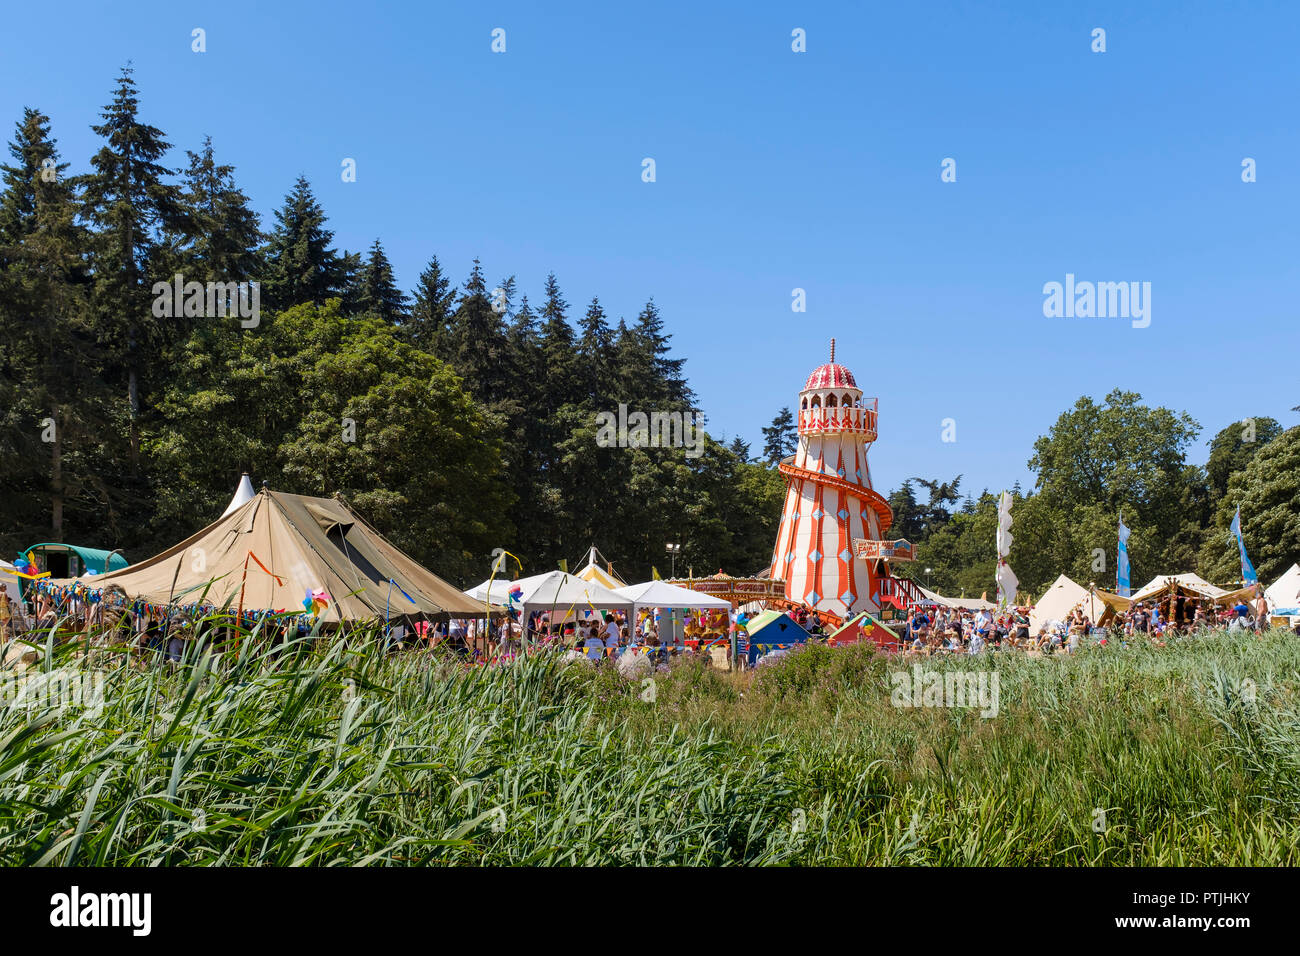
(781, 438)
(333, 753)
(302, 266)
(1268, 490)
(1233, 447)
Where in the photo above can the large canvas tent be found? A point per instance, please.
(1065, 595)
(276, 547)
(1283, 595)
(1189, 585)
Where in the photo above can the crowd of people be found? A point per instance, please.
(596, 635)
(939, 630)
(605, 635)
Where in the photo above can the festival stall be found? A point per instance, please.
(9, 578)
(1178, 595)
(282, 554)
(553, 593)
(74, 560)
(771, 631)
(864, 627)
(715, 621)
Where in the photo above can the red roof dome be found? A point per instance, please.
(830, 375)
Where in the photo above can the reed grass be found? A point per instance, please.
(332, 752)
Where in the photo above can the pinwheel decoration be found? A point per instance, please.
(316, 601)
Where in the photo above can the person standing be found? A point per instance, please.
(1261, 611)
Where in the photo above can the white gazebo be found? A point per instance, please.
(553, 591)
(663, 594)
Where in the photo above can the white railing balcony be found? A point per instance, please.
(859, 419)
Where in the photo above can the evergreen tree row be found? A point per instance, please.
(473, 412)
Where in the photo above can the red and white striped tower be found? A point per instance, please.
(829, 500)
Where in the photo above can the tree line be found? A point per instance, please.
(459, 418)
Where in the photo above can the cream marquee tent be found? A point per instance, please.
(965, 604)
(275, 548)
(1065, 595)
(1192, 584)
(1284, 594)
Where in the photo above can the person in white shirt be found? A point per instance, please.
(611, 632)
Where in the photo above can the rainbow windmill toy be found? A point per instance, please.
(316, 601)
(25, 567)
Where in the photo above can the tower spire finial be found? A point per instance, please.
(832, 351)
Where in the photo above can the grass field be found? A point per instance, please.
(330, 754)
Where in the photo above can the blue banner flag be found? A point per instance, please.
(1248, 575)
(1121, 566)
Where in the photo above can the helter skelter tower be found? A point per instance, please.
(830, 548)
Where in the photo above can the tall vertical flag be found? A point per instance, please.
(1248, 575)
(1121, 565)
(1006, 578)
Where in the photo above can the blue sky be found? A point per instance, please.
(777, 170)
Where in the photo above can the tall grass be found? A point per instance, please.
(332, 752)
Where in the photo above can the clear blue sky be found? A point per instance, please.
(778, 170)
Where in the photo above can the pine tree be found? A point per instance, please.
(780, 438)
(741, 449)
(227, 236)
(595, 349)
(129, 203)
(435, 300)
(558, 351)
(37, 168)
(349, 282)
(475, 343)
(379, 294)
(301, 264)
(665, 371)
(50, 389)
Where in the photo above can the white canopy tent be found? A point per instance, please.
(243, 494)
(1284, 594)
(553, 591)
(965, 604)
(663, 594)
